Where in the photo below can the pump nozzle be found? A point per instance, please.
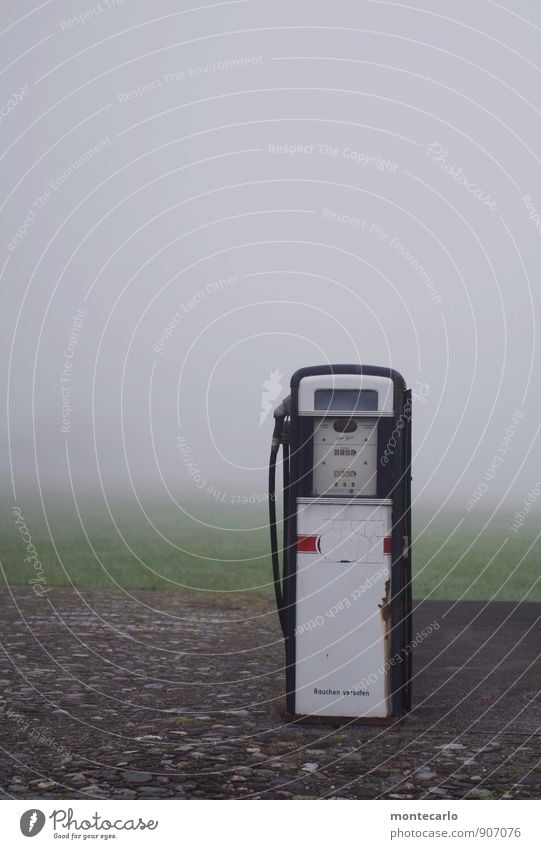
(283, 408)
(280, 413)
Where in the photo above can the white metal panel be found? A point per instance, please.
(308, 386)
(341, 611)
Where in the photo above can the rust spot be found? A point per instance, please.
(384, 606)
(385, 610)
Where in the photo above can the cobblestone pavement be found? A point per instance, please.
(156, 695)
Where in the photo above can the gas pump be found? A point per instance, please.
(343, 588)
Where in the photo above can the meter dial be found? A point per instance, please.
(345, 425)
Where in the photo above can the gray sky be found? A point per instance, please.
(194, 200)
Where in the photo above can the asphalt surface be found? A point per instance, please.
(480, 670)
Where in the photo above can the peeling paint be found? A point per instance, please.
(385, 606)
(385, 611)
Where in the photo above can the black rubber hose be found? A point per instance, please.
(275, 448)
(285, 469)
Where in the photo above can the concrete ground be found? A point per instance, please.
(154, 695)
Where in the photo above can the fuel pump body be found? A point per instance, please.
(345, 594)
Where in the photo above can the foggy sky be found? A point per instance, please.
(195, 200)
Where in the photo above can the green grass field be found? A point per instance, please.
(450, 562)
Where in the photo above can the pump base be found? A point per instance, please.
(314, 719)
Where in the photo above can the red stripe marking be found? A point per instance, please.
(387, 545)
(307, 543)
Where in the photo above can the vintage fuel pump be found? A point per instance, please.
(343, 590)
